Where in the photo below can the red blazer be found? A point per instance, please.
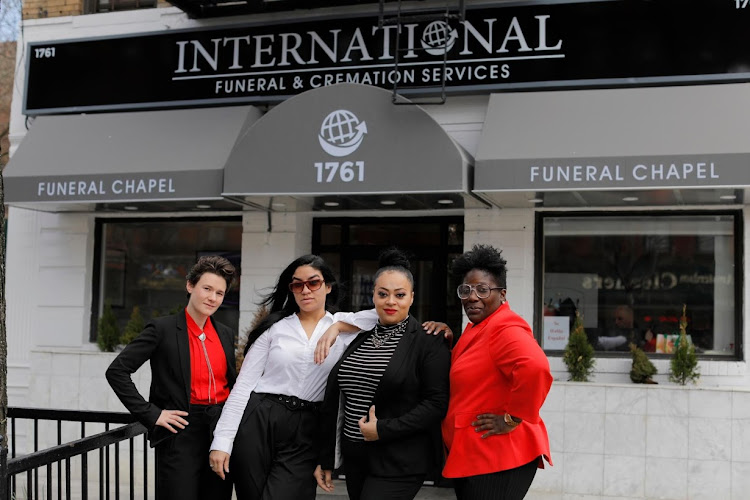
(496, 367)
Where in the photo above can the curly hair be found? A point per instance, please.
(214, 264)
(483, 258)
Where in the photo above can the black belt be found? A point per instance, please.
(291, 402)
(210, 410)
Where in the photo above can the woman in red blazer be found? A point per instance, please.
(499, 379)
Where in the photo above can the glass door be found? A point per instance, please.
(351, 246)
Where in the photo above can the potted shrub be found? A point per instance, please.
(108, 333)
(643, 369)
(579, 353)
(684, 363)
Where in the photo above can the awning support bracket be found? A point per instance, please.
(454, 12)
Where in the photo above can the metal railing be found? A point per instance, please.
(64, 469)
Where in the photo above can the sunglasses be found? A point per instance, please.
(483, 291)
(312, 285)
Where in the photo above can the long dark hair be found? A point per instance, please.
(280, 302)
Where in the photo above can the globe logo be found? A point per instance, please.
(341, 133)
(438, 38)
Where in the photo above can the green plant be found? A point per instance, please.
(108, 333)
(134, 326)
(643, 369)
(579, 353)
(684, 363)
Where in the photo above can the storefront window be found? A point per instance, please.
(629, 276)
(143, 264)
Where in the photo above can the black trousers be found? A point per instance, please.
(273, 457)
(512, 484)
(362, 484)
(182, 469)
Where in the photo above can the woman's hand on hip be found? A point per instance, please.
(323, 477)
(436, 328)
(219, 462)
(368, 426)
(493, 424)
(169, 418)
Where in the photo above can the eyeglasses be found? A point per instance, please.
(483, 291)
(312, 285)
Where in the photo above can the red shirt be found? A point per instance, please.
(496, 367)
(199, 375)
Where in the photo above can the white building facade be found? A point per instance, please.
(606, 191)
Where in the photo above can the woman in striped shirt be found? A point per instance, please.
(393, 382)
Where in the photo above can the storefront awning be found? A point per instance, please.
(349, 141)
(596, 147)
(153, 157)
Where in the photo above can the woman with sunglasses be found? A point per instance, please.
(270, 419)
(499, 379)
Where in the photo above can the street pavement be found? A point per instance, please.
(426, 493)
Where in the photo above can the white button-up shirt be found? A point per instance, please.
(281, 362)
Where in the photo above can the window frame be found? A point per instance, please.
(96, 280)
(739, 269)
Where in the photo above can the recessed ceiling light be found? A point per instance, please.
(130, 207)
(535, 200)
(630, 198)
(728, 197)
(387, 202)
(331, 203)
(203, 206)
(445, 201)
(279, 204)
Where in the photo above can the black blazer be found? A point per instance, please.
(410, 401)
(164, 342)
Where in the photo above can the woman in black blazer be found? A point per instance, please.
(192, 370)
(393, 385)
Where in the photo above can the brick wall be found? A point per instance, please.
(7, 70)
(37, 9)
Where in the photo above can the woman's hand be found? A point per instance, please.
(323, 477)
(326, 341)
(494, 424)
(168, 418)
(436, 327)
(368, 426)
(219, 462)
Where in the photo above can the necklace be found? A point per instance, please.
(211, 378)
(382, 333)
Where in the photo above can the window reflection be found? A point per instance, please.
(629, 276)
(144, 265)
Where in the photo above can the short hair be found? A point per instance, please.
(483, 258)
(393, 259)
(214, 264)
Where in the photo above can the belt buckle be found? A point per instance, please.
(293, 403)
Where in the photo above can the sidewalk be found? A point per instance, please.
(426, 493)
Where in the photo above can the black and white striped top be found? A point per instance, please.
(360, 373)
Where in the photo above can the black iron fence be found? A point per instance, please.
(112, 463)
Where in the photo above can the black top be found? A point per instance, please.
(164, 342)
(410, 401)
